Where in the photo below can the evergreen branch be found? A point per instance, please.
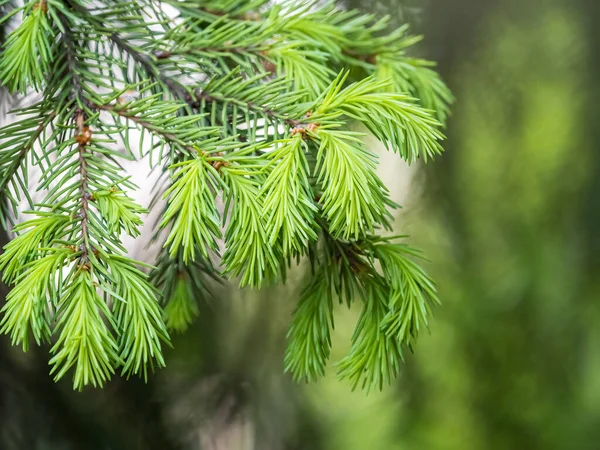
(392, 118)
(248, 252)
(18, 140)
(22, 147)
(139, 56)
(374, 358)
(83, 137)
(288, 200)
(309, 340)
(396, 303)
(148, 125)
(413, 293)
(139, 318)
(121, 213)
(183, 286)
(305, 68)
(175, 87)
(417, 77)
(191, 204)
(27, 51)
(84, 340)
(257, 114)
(82, 314)
(31, 235)
(354, 199)
(26, 304)
(234, 90)
(271, 99)
(344, 264)
(181, 308)
(243, 10)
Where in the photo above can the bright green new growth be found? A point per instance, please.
(345, 164)
(28, 51)
(245, 103)
(192, 205)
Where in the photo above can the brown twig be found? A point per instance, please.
(83, 139)
(145, 124)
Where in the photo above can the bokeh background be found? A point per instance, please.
(509, 217)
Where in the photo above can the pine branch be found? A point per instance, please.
(18, 140)
(176, 88)
(27, 52)
(184, 287)
(233, 99)
(309, 340)
(148, 125)
(287, 198)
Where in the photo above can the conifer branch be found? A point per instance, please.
(83, 138)
(170, 137)
(176, 88)
(17, 160)
(233, 100)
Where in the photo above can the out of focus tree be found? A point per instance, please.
(511, 360)
(511, 347)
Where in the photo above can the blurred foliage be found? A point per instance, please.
(510, 344)
(510, 362)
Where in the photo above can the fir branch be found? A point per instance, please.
(309, 340)
(374, 358)
(288, 200)
(27, 53)
(258, 116)
(145, 61)
(148, 125)
(192, 206)
(84, 340)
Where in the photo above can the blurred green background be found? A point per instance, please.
(509, 217)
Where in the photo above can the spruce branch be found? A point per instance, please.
(84, 339)
(309, 339)
(288, 201)
(25, 308)
(154, 126)
(374, 358)
(83, 138)
(353, 198)
(192, 204)
(232, 99)
(184, 287)
(18, 140)
(247, 248)
(27, 50)
(151, 69)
